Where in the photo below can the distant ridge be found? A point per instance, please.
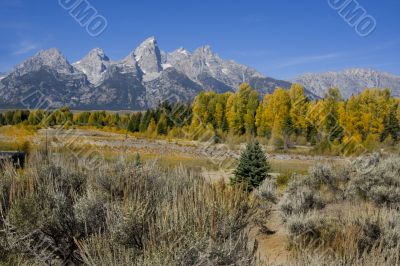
(349, 81)
(142, 79)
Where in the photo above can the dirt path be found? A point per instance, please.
(272, 249)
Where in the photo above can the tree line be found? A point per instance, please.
(289, 117)
(285, 118)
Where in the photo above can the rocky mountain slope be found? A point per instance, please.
(142, 79)
(349, 81)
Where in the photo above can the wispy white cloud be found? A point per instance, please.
(26, 47)
(302, 60)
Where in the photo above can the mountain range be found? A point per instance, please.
(144, 78)
(148, 76)
(349, 81)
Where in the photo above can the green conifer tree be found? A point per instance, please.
(131, 125)
(253, 167)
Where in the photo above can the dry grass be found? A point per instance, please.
(57, 211)
(13, 137)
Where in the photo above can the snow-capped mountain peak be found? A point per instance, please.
(145, 77)
(94, 65)
(183, 51)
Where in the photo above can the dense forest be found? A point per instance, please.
(283, 119)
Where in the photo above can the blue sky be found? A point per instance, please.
(280, 38)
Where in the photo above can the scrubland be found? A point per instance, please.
(158, 209)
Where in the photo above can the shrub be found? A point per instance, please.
(90, 213)
(312, 229)
(351, 231)
(120, 214)
(267, 190)
(130, 229)
(376, 179)
(282, 180)
(300, 201)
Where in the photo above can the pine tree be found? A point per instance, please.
(136, 121)
(253, 167)
(145, 120)
(9, 117)
(2, 119)
(391, 125)
(162, 128)
(131, 125)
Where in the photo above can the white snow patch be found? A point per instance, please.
(225, 71)
(165, 66)
(138, 57)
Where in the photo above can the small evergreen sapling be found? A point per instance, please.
(253, 167)
(138, 161)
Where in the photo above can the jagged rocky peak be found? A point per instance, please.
(148, 56)
(94, 65)
(206, 67)
(206, 49)
(205, 52)
(97, 53)
(181, 51)
(51, 58)
(178, 55)
(51, 55)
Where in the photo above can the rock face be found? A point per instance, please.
(144, 78)
(214, 73)
(46, 75)
(94, 65)
(51, 58)
(148, 56)
(350, 81)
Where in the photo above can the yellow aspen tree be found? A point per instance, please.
(299, 107)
